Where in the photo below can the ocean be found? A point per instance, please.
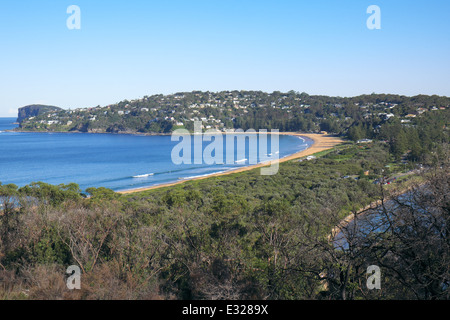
(114, 161)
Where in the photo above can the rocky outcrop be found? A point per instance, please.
(35, 110)
(81, 127)
(116, 128)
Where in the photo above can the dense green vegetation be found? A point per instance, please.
(242, 236)
(291, 111)
(245, 236)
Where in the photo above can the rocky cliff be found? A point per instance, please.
(35, 110)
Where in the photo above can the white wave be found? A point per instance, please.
(143, 175)
(242, 160)
(202, 175)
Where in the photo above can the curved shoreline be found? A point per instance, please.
(338, 229)
(321, 142)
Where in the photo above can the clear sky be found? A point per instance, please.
(129, 49)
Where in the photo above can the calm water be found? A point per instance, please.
(373, 221)
(103, 160)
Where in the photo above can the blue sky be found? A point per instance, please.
(128, 49)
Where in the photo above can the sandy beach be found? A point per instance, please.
(321, 142)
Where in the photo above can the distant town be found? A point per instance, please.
(229, 110)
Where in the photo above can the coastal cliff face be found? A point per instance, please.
(34, 111)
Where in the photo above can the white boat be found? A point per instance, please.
(240, 161)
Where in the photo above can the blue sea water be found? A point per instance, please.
(104, 160)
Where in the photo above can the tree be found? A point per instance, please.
(86, 232)
(355, 133)
(102, 193)
(407, 235)
(414, 249)
(399, 144)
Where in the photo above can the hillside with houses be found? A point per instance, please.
(358, 117)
